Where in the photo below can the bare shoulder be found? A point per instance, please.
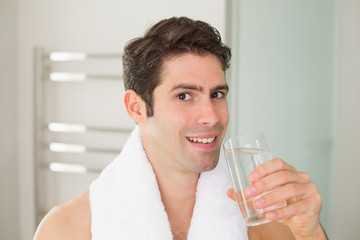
(69, 221)
(272, 230)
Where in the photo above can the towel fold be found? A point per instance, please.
(125, 202)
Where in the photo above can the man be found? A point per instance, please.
(168, 182)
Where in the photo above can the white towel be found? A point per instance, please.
(126, 204)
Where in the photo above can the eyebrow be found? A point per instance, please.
(220, 87)
(199, 88)
(188, 87)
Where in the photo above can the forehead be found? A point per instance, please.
(205, 70)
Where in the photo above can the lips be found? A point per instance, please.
(201, 140)
(203, 143)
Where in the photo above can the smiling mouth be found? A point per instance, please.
(201, 140)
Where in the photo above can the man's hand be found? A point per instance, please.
(301, 214)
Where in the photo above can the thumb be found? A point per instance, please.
(231, 194)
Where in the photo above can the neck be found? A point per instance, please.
(175, 181)
(177, 186)
(178, 196)
(177, 189)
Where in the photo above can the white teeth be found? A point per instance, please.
(201, 140)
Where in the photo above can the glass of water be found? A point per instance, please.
(243, 154)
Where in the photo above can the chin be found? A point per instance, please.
(208, 166)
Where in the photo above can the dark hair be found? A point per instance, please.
(143, 57)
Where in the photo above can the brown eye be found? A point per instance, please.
(217, 95)
(184, 96)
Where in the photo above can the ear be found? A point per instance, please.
(135, 106)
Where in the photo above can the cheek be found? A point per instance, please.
(171, 119)
(178, 118)
(226, 117)
(173, 114)
(223, 114)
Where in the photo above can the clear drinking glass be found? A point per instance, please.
(243, 154)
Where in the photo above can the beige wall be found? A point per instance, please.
(9, 219)
(346, 190)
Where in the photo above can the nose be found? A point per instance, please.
(207, 114)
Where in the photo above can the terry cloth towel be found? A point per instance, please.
(126, 204)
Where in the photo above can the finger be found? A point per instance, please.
(296, 191)
(269, 167)
(275, 180)
(311, 206)
(231, 194)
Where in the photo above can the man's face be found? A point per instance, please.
(190, 114)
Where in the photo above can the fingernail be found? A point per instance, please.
(259, 203)
(253, 177)
(250, 191)
(271, 215)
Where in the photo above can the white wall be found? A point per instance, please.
(290, 42)
(8, 107)
(346, 191)
(285, 79)
(82, 25)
